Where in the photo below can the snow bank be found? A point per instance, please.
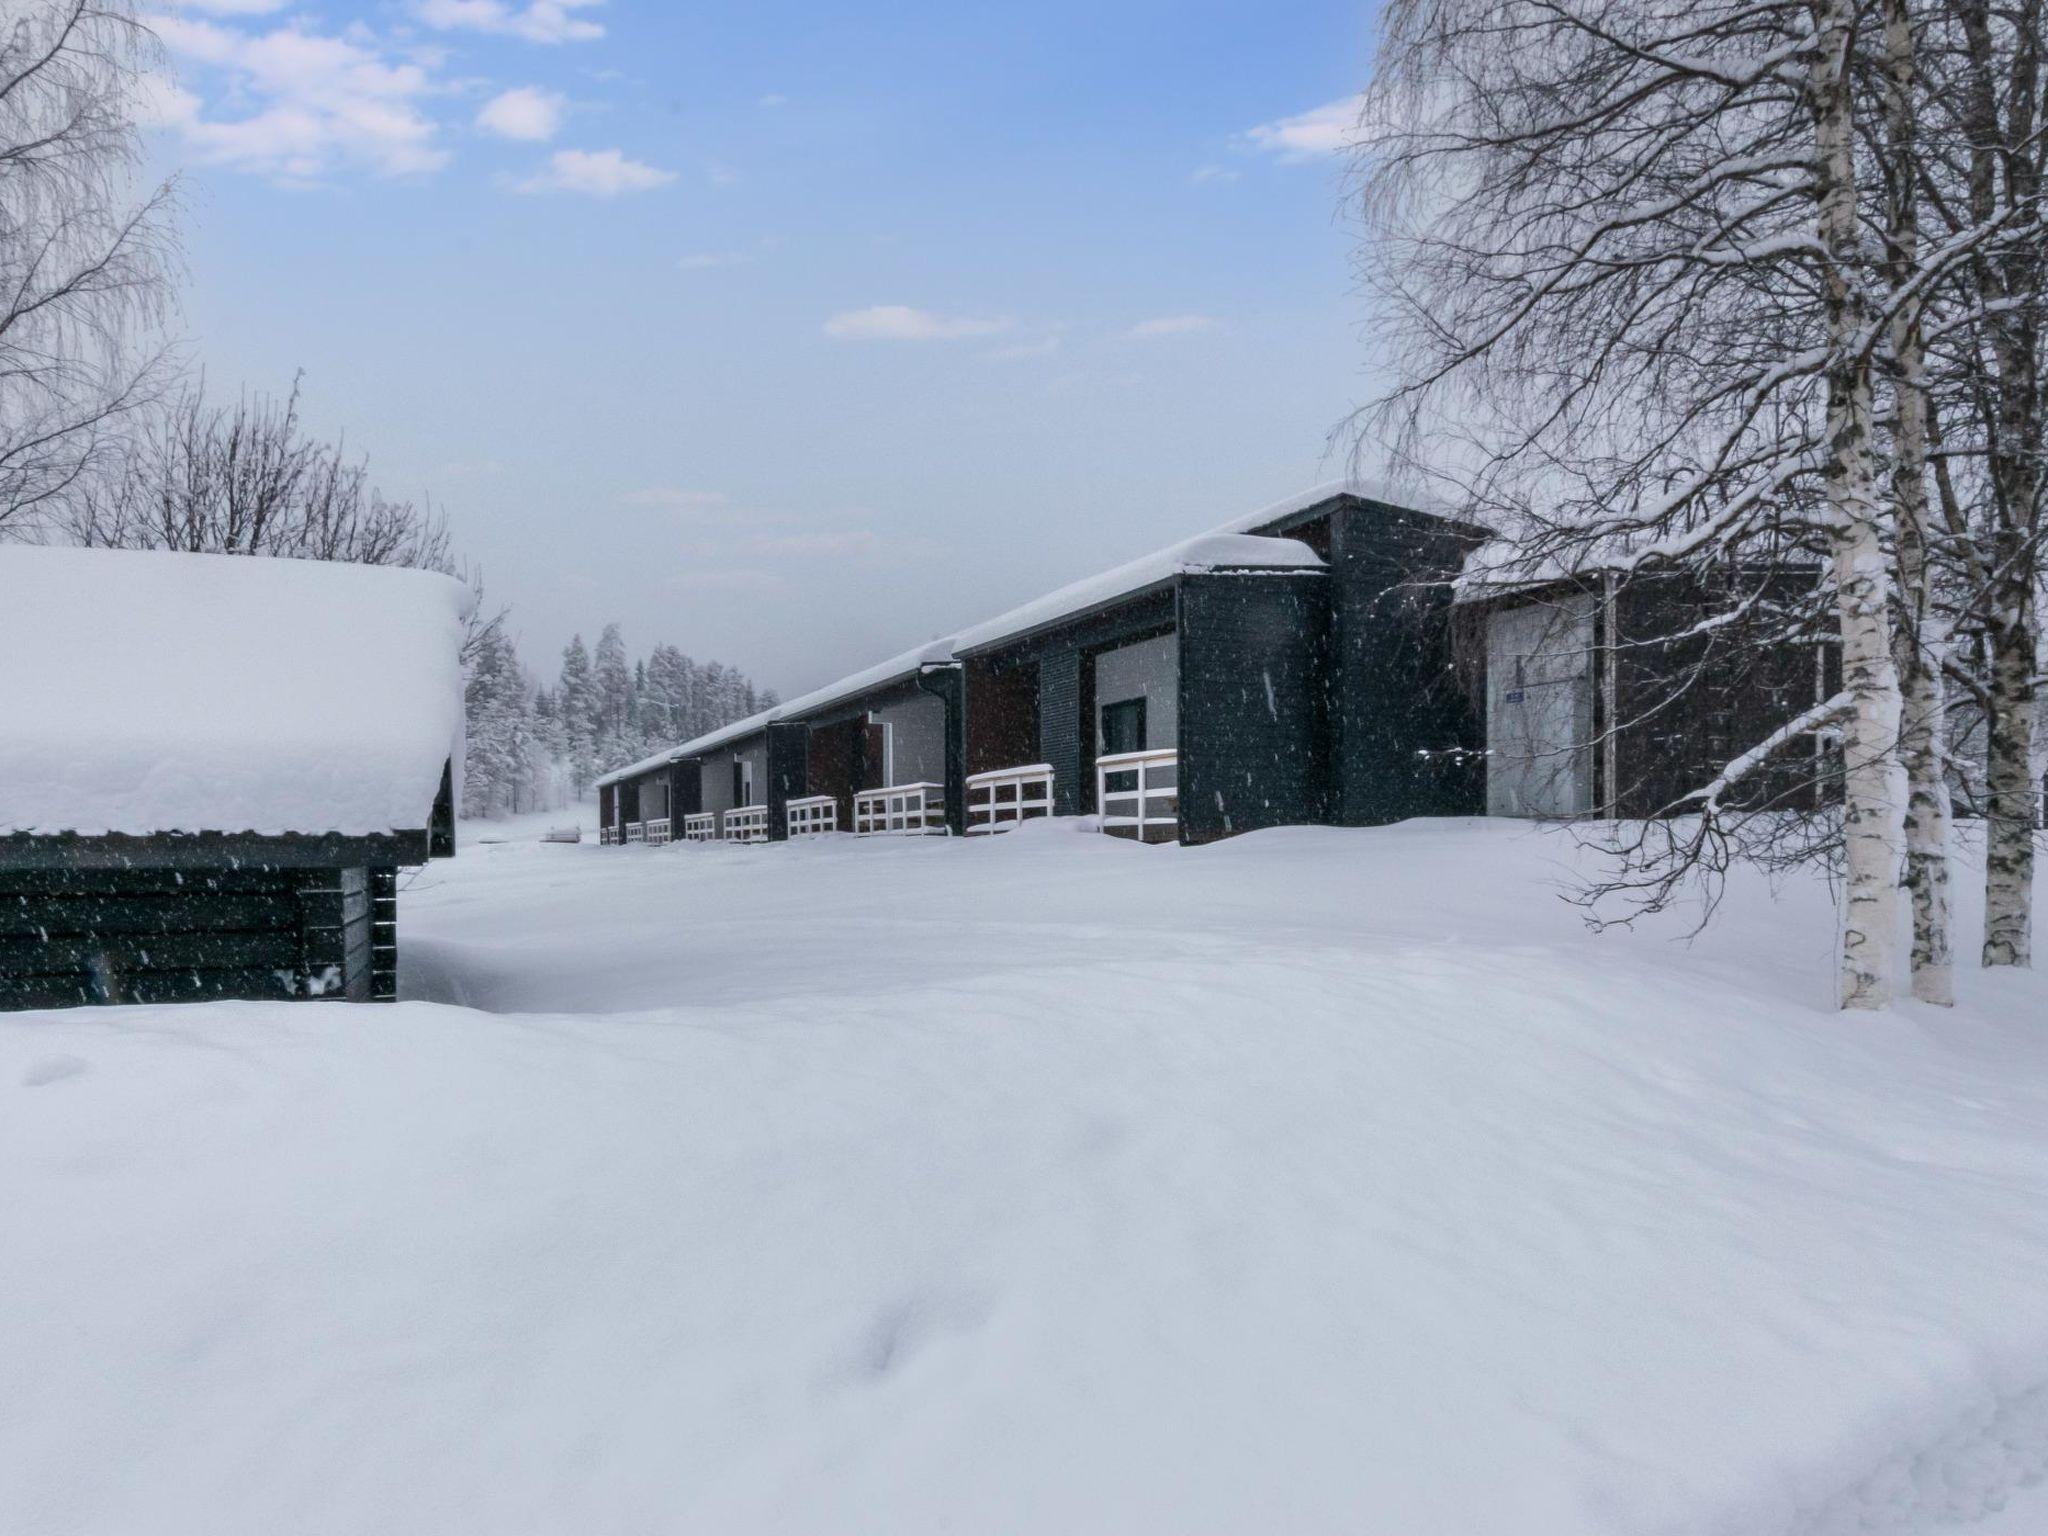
(152, 692)
(1313, 1181)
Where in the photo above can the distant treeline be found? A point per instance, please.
(532, 747)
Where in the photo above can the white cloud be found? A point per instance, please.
(538, 21)
(673, 498)
(1326, 130)
(318, 100)
(899, 322)
(1171, 325)
(773, 99)
(595, 173)
(1203, 174)
(526, 112)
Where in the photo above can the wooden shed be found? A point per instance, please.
(212, 770)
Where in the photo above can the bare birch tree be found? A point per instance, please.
(1622, 251)
(84, 259)
(1993, 98)
(1920, 636)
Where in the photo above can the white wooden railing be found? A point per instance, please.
(606, 836)
(700, 827)
(999, 799)
(900, 808)
(1139, 793)
(813, 813)
(657, 829)
(636, 831)
(747, 824)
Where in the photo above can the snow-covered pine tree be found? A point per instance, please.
(501, 758)
(612, 684)
(577, 714)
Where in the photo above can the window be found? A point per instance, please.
(1123, 727)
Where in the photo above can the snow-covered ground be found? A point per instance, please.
(1313, 1181)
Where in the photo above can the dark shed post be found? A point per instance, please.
(607, 795)
(949, 684)
(788, 773)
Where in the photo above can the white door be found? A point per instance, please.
(1539, 709)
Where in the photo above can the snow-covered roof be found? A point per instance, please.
(145, 692)
(1210, 552)
(896, 669)
(1329, 490)
(1231, 546)
(710, 741)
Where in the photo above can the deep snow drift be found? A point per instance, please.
(1315, 1181)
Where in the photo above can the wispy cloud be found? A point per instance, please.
(594, 173)
(1202, 175)
(1325, 130)
(1171, 325)
(526, 113)
(318, 100)
(900, 322)
(538, 21)
(773, 99)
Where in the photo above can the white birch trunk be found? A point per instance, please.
(1919, 641)
(1872, 815)
(2009, 819)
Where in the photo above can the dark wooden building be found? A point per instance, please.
(213, 769)
(1294, 666)
(1617, 694)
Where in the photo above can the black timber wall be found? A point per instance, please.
(1062, 709)
(146, 935)
(1687, 699)
(685, 793)
(1407, 737)
(1254, 720)
(788, 773)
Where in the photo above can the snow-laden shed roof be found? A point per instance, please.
(145, 692)
(1232, 546)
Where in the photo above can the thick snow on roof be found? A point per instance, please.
(907, 664)
(1210, 552)
(1230, 547)
(149, 692)
(710, 741)
(895, 669)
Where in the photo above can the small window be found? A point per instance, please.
(1123, 727)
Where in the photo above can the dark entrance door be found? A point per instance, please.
(1123, 727)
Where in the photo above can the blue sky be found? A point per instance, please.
(791, 333)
